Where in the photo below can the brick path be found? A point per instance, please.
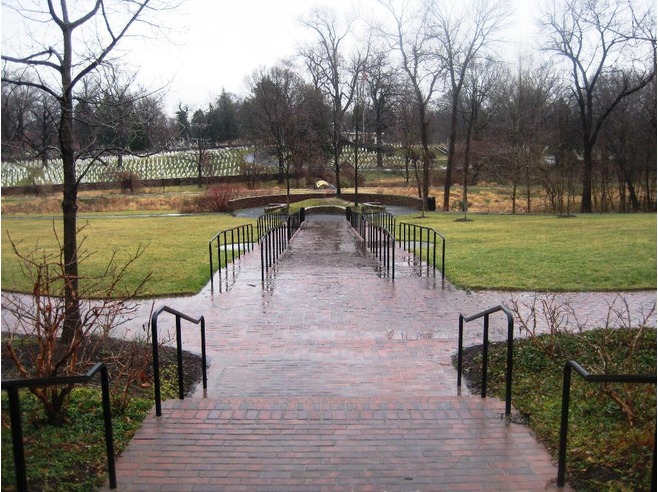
(330, 377)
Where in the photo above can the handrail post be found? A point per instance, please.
(107, 420)
(443, 261)
(204, 371)
(510, 362)
(393, 250)
(434, 253)
(485, 355)
(179, 355)
(232, 245)
(156, 364)
(564, 424)
(460, 345)
(237, 231)
(427, 251)
(262, 262)
(219, 264)
(211, 268)
(225, 248)
(17, 439)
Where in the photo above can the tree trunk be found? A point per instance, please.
(356, 168)
(424, 139)
(586, 198)
(337, 168)
(451, 151)
(282, 168)
(380, 150)
(71, 326)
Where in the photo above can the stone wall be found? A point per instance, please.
(264, 200)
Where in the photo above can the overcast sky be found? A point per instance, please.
(215, 45)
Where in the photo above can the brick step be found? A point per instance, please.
(335, 408)
(333, 444)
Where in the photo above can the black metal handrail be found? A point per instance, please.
(372, 227)
(277, 231)
(270, 221)
(564, 419)
(485, 351)
(295, 221)
(411, 234)
(13, 385)
(382, 219)
(179, 351)
(242, 236)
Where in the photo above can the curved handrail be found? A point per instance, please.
(405, 233)
(245, 240)
(374, 230)
(485, 351)
(275, 232)
(179, 352)
(13, 385)
(564, 417)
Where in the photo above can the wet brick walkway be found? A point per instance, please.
(331, 377)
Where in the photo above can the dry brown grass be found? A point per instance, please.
(485, 198)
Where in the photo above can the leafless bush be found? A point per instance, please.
(34, 323)
(548, 313)
(617, 351)
(216, 199)
(129, 181)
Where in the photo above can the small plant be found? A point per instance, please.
(544, 313)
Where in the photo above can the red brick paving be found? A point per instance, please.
(452, 443)
(330, 377)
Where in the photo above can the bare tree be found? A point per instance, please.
(629, 139)
(410, 37)
(200, 131)
(527, 101)
(276, 96)
(329, 68)
(598, 40)
(29, 123)
(383, 88)
(478, 106)
(81, 39)
(463, 32)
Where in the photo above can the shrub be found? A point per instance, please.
(216, 199)
(105, 304)
(129, 181)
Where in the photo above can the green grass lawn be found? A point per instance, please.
(176, 252)
(545, 253)
(539, 252)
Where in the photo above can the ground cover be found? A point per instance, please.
(72, 457)
(611, 252)
(606, 450)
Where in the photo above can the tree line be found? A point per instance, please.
(427, 78)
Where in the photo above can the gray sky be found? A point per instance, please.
(218, 44)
